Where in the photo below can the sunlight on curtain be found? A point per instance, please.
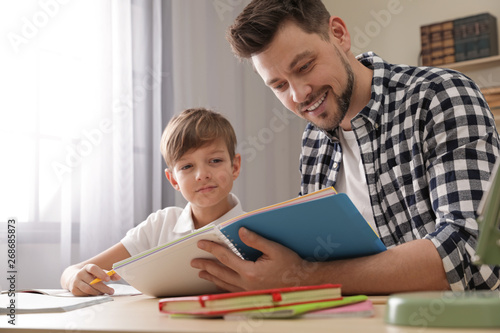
(79, 131)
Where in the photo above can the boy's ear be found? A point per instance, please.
(171, 179)
(236, 166)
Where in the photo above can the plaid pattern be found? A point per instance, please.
(428, 143)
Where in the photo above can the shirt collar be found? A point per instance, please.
(381, 75)
(370, 111)
(185, 221)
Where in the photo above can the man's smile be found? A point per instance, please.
(318, 103)
(313, 108)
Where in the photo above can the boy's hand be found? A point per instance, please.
(80, 283)
(277, 267)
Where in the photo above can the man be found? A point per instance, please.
(413, 147)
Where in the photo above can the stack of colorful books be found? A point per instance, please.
(306, 301)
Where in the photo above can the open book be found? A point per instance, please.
(320, 226)
(27, 302)
(119, 288)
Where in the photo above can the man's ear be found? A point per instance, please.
(236, 166)
(171, 179)
(339, 31)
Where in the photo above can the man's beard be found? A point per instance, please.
(343, 101)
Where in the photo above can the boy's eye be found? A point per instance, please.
(216, 160)
(185, 167)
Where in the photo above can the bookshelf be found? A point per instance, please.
(476, 64)
(462, 43)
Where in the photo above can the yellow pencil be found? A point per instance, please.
(111, 272)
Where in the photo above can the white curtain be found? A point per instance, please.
(87, 88)
(81, 117)
(129, 164)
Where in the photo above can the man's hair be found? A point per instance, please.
(193, 129)
(255, 27)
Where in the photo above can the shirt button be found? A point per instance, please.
(335, 165)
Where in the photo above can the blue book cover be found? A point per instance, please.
(324, 229)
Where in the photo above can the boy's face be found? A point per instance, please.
(205, 175)
(310, 76)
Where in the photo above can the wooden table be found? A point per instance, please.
(141, 314)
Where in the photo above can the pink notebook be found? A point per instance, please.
(362, 309)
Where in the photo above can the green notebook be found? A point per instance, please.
(488, 247)
(291, 311)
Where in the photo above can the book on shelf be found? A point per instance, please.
(491, 91)
(493, 103)
(436, 31)
(220, 304)
(448, 42)
(437, 43)
(492, 97)
(319, 226)
(476, 37)
(425, 41)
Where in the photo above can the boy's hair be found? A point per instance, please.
(192, 129)
(255, 27)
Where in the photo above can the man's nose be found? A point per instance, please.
(300, 91)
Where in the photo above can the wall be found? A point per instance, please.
(395, 24)
(391, 28)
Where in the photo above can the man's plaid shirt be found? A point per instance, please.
(428, 143)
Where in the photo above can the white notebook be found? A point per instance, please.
(26, 302)
(166, 269)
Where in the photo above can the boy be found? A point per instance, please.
(199, 149)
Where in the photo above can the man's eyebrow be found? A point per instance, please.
(271, 82)
(298, 58)
(294, 62)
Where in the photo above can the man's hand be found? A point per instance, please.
(277, 267)
(412, 266)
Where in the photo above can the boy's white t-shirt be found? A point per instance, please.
(351, 178)
(167, 225)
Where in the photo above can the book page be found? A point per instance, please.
(123, 289)
(37, 303)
